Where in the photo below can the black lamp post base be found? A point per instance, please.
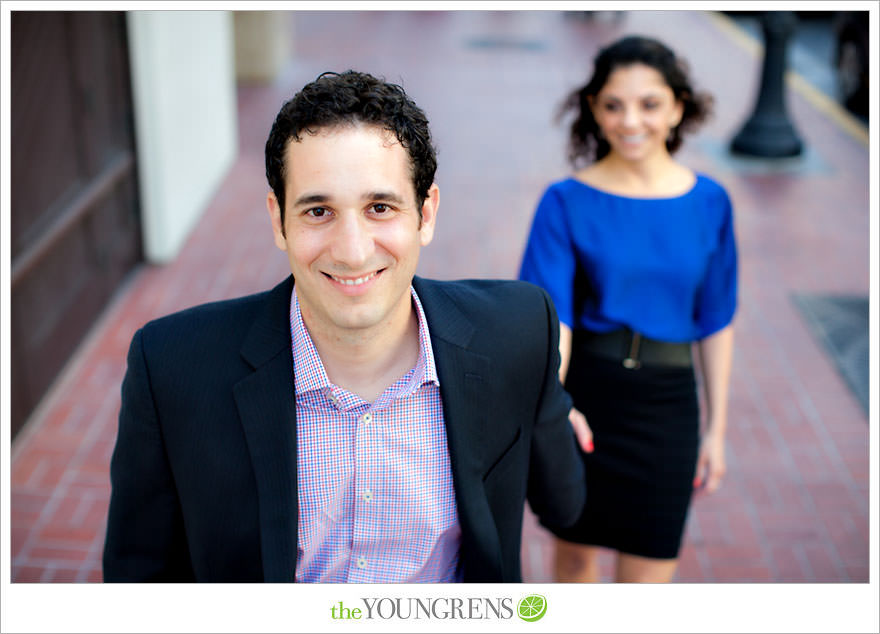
(768, 132)
(767, 138)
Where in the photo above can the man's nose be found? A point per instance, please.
(352, 240)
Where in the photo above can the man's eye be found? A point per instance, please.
(317, 212)
(381, 208)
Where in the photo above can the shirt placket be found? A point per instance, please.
(367, 523)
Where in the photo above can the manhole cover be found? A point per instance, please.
(840, 324)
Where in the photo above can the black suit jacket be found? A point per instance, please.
(203, 474)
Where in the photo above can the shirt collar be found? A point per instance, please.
(309, 372)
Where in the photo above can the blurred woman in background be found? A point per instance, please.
(638, 253)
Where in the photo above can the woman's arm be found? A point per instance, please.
(716, 354)
(582, 430)
(564, 351)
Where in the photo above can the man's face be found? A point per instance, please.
(352, 230)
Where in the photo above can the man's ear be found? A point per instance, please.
(429, 215)
(277, 226)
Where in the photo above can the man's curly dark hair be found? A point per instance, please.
(352, 97)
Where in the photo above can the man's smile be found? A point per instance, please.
(359, 280)
(355, 281)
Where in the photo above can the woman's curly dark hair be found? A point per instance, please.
(352, 97)
(585, 142)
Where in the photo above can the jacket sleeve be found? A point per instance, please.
(145, 535)
(557, 487)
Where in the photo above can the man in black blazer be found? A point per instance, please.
(209, 478)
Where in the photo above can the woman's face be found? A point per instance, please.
(635, 111)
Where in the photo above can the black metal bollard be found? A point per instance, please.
(769, 132)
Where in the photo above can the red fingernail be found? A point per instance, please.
(697, 482)
(589, 446)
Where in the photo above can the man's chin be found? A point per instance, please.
(355, 320)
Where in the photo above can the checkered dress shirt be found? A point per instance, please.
(376, 503)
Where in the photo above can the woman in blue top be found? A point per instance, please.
(638, 254)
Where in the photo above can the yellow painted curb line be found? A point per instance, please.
(819, 100)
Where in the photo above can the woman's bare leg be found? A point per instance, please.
(636, 569)
(576, 563)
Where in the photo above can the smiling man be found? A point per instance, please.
(356, 423)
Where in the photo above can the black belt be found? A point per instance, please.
(633, 349)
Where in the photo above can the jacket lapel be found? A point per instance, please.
(464, 379)
(267, 407)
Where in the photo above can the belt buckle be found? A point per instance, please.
(631, 362)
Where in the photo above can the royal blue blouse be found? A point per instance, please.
(664, 267)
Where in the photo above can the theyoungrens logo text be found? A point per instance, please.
(530, 608)
(440, 608)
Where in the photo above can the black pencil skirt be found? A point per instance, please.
(640, 476)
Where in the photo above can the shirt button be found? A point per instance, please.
(368, 495)
(367, 418)
(361, 562)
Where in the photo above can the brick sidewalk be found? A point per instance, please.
(794, 506)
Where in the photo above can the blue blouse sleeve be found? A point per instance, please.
(549, 259)
(717, 299)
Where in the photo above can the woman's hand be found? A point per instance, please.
(582, 430)
(716, 352)
(710, 464)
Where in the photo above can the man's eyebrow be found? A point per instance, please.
(388, 196)
(313, 198)
(310, 199)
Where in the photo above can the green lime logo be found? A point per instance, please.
(532, 608)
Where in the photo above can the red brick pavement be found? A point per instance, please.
(794, 506)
